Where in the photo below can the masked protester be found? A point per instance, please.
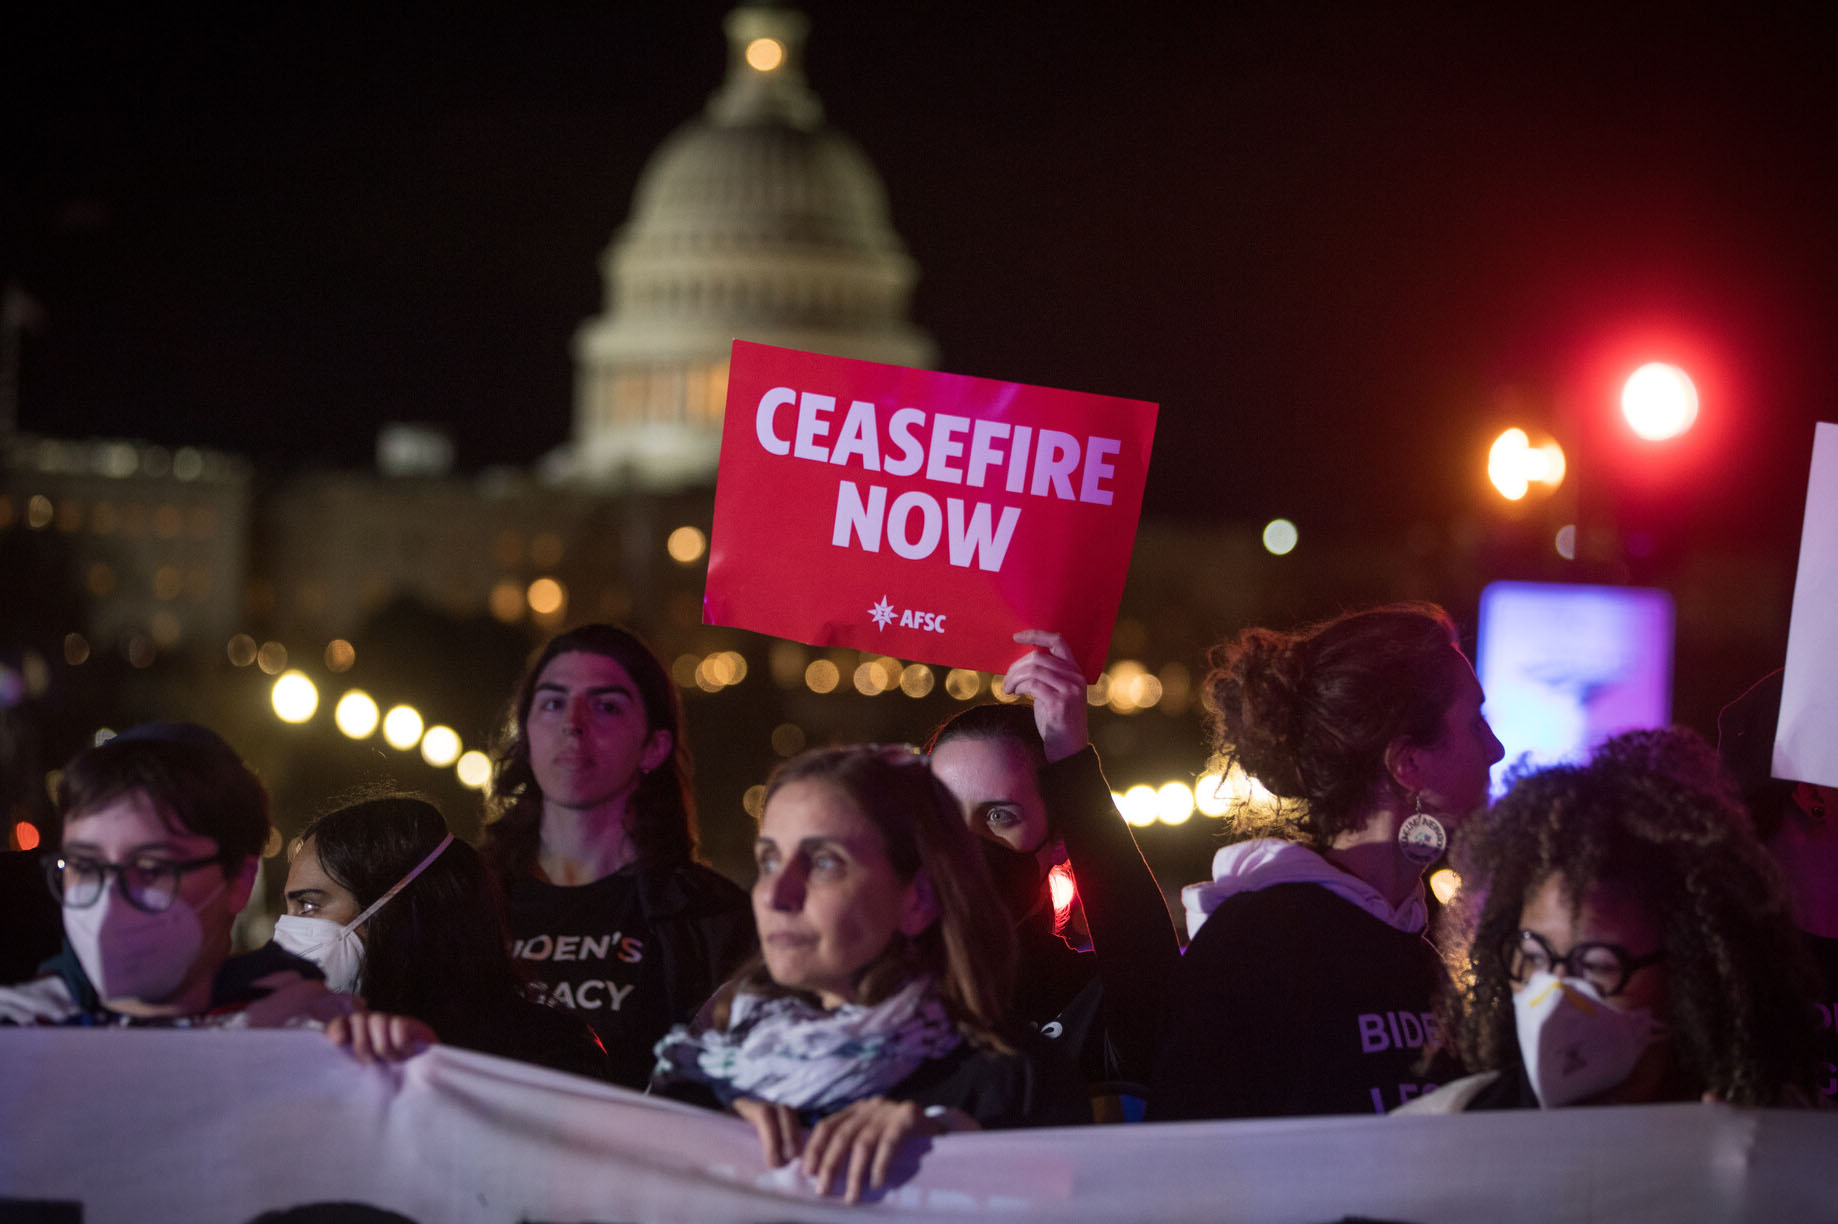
(1308, 987)
(390, 906)
(875, 1016)
(162, 830)
(1633, 942)
(1094, 964)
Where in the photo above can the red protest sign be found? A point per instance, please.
(921, 515)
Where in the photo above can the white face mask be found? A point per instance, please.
(131, 954)
(337, 950)
(1573, 1043)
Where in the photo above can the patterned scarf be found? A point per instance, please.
(791, 1052)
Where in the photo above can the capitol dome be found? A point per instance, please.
(753, 221)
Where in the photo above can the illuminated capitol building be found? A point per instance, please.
(174, 582)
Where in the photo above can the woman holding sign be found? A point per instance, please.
(1094, 972)
(592, 835)
(874, 1018)
(1309, 987)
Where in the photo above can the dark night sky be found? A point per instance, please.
(1324, 237)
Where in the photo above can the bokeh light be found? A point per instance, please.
(1514, 465)
(765, 54)
(916, 680)
(822, 676)
(1174, 803)
(963, 685)
(340, 655)
(788, 739)
(1659, 401)
(686, 545)
(402, 727)
(1444, 884)
(271, 658)
(1280, 537)
(294, 697)
(440, 747)
(356, 714)
(546, 597)
(1138, 805)
(473, 769)
(241, 650)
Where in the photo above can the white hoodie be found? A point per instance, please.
(1248, 866)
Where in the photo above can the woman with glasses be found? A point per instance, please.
(1308, 987)
(874, 1017)
(1633, 942)
(162, 834)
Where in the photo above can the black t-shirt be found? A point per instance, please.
(631, 953)
(1292, 1000)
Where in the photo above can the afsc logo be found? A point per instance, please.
(884, 614)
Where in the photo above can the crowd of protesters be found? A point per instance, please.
(1656, 923)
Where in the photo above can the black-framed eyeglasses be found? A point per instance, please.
(1605, 966)
(150, 884)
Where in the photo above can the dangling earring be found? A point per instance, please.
(1421, 838)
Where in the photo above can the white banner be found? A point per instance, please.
(211, 1126)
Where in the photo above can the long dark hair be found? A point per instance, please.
(437, 950)
(1310, 714)
(970, 948)
(663, 809)
(1639, 818)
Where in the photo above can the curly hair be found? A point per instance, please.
(970, 948)
(1310, 714)
(663, 809)
(1737, 977)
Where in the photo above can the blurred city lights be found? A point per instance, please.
(1280, 537)
(506, 601)
(1659, 401)
(1445, 884)
(340, 655)
(1174, 803)
(440, 747)
(686, 545)
(868, 680)
(1138, 805)
(1209, 795)
(1514, 465)
(822, 676)
(788, 739)
(474, 769)
(294, 697)
(546, 596)
(765, 54)
(402, 727)
(916, 680)
(963, 685)
(356, 714)
(271, 658)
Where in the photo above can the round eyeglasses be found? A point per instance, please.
(150, 884)
(1605, 966)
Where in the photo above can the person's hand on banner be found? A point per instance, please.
(1051, 677)
(862, 1140)
(780, 1134)
(380, 1036)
